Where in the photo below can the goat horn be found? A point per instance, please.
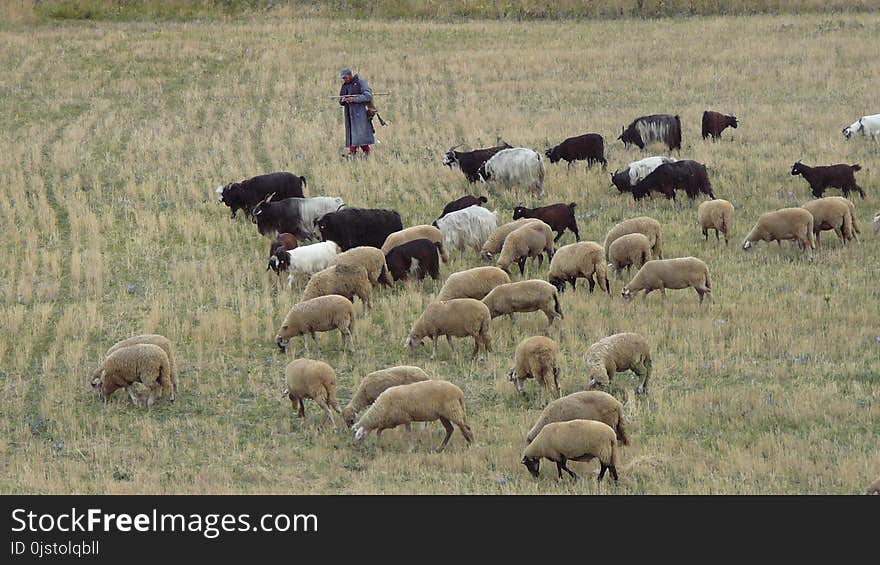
(453, 148)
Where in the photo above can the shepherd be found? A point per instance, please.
(355, 96)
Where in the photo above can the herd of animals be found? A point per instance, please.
(351, 251)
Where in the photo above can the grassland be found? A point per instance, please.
(113, 136)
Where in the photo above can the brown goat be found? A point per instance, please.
(558, 216)
(716, 122)
(832, 176)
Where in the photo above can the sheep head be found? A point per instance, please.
(517, 383)
(359, 433)
(282, 342)
(627, 294)
(533, 464)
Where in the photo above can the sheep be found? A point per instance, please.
(495, 242)
(472, 283)
(615, 354)
(579, 260)
(821, 178)
(370, 258)
(853, 217)
(145, 363)
(155, 339)
(559, 217)
(375, 383)
(866, 125)
(470, 227)
(284, 242)
(524, 296)
(832, 213)
(577, 440)
(322, 314)
(431, 233)
(874, 487)
(314, 380)
(530, 240)
(423, 401)
(785, 223)
(517, 166)
(307, 259)
(644, 225)
(584, 405)
(537, 358)
(628, 250)
(675, 274)
(459, 317)
(345, 280)
(715, 215)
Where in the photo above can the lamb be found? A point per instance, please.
(472, 283)
(628, 250)
(715, 215)
(345, 280)
(431, 233)
(644, 225)
(423, 401)
(470, 227)
(530, 240)
(866, 125)
(145, 363)
(536, 358)
(675, 274)
(585, 405)
(495, 242)
(524, 296)
(284, 242)
(314, 380)
(306, 259)
(785, 223)
(322, 314)
(376, 383)
(615, 354)
(155, 339)
(577, 440)
(821, 178)
(579, 260)
(459, 317)
(370, 258)
(462, 203)
(832, 213)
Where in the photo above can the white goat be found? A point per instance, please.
(640, 169)
(470, 227)
(866, 125)
(310, 259)
(517, 166)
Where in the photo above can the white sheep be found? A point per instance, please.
(585, 259)
(536, 358)
(832, 213)
(584, 405)
(866, 125)
(674, 274)
(375, 383)
(314, 380)
(525, 296)
(715, 215)
(345, 280)
(649, 227)
(144, 363)
(617, 353)
(785, 223)
(431, 233)
(370, 258)
(424, 401)
(470, 227)
(459, 317)
(322, 314)
(155, 339)
(472, 283)
(531, 240)
(496, 239)
(309, 259)
(575, 440)
(517, 166)
(628, 250)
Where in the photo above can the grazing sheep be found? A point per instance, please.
(284, 242)
(495, 242)
(674, 274)
(832, 176)
(559, 217)
(644, 225)
(715, 122)
(585, 405)
(576, 440)
(424, 401)
(370, 258)
(874, 487)
(306, 259)
(628, 250)
(144, 363)
(155, 339)
(517, 166)
(579, 260)
(470, 227)
(462, 203)
(715, 215)
(459, 317)
(418, 256)
(472, 283)
(524, 296)
(853, 216)
(345, 280)
(531, 240)
(430, 233)
(831, 213)
(536, 358)
(309, 379)
(618, 353)
(322, 314)
(375, 383)
(785, 223)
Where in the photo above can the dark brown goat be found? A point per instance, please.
(716, 122)
(462, 203)
(420, 255)
(558, 216)
(832, 176)
(589, 147)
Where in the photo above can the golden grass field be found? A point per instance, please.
(114, 136)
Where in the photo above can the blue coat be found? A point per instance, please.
(358, 127)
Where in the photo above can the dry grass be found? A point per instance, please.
(114, 136)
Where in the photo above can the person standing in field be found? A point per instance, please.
(354, 96)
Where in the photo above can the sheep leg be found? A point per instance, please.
(476, 346)
(718, 237)
(317, 345)
(558, 470)
(566, 469)
(522, 266)
(602, 470)
(705, 234)
(306, 343)
(592, 283)
(642, 370)
(540, 259)
(663, 292)
(302, 408)
(449, 341)
(347, 339)
(449, 429)
(132, 395)
(329, 415)
(436, 338)
(613, 470)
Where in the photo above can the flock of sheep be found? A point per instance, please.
(359, 250)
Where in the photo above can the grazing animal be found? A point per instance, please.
(470, 227)
(715, 215)
(832, 176)
(785, 223)
(534, 239)
(645, 225)
(472, 283)
(377, 382)
(686, 175)
(618, 353)
(431, 233)
(656, 128)
(559, 217)
(293, 215)
(866, 126)
(155, 339)
(585, 259)
(575, 440)
(589, 147)
(284, 242)
(345, 280)
(674, 274)
(306, 259)
(525, 296)
(536, 358)
(469, 162)
(418, 256)
(321, 314)
(716, 122)
(145, 363)
(632, 249)
(462, 203)
(585, 405)
(517, 166)
(832, 213)
(496, 239)
(459, 317)
(248, 193)
(354, 227)
(313, 380)
(370, 258)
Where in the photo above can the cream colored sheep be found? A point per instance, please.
(628, 250)
(649, 227)
(525, 296)
(874, 488)
(715, 215)
(853, 216)
(785, 223)
(322, 314)
(831, 213)
(575, 440)
(314, 380)
(155, 339)
(472, 283)
(531, 240)
(493, 245)
(145, 363)
(615, 354)
(375, 383)
(413, 233)
(579, 260)
(674, 274)
(585, 405)
(345, 280)
(371, 259)
(424, 401)
(536, 358)
(459, 317)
